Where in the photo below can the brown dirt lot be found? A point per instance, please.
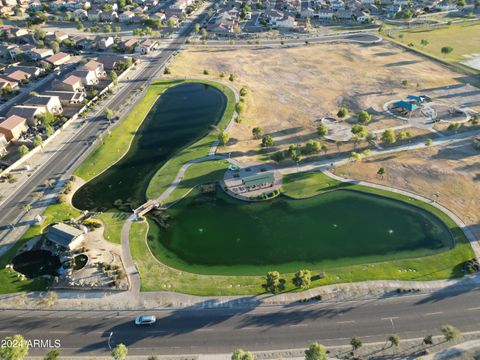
(450, 175)
(291, 89)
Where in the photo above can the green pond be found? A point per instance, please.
(215, 234)
(182, 115)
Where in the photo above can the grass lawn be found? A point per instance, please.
(166, 174)
(115, 145)
(458, 36)
(113, 222)
(197, 174)
(9, 282)
(156, 276)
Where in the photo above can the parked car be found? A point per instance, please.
(145, 320)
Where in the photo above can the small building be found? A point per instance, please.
(405, 106)
(67, 97)
(146, 46)
(29, 112)
(65, 236)
(96, 67)
(70, 83)
(12, 127)
(258, 181)
(88, 77)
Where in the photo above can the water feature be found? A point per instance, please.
(181, 115)
(35, 263)
(212, 233)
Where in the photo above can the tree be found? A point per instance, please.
(267, 141)
(356, 343)
(364, 117)
(109, 114)
(428, 142)
(446, 50)
(381, 172)
(356, 156)
(394, 340)
(359, 130)
(322, 130)
(273, 282)
(316, 351)
(342, 112)
(120, 352)
(240, 354)
(450, 333)
(257, 132)
(424, 42)
(388, 136)
(232, 77)
(312, 147)
(203, 33)
(46, 118)
(303, 279)
(37, 140)
(167, 70)
(23, 150)
(48, 130)
(114, 77)
(52, 355)
(223, 138)
(243, 91)
(17, 352)
(428, 340)
(461, 3)
(196, 28)
(240, 107)
(54, 45)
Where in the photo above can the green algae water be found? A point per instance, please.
(182, 115)
(214, 234)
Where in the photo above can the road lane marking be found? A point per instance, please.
(346, 322)
(298, 325)
(390, 318)
(476, 308)
(434, 313)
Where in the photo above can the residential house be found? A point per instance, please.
(9, 52)
(105, 43)
(13, 126)
(97, 67)
(6, 83)
(6, 11)
(325, 14)
(110, 62)
(28, 112)
(181, 4)
(70, 83)
(88, 77)
(67, 97)
(159, 15)
(80, 13)
(126, 17)
(94, 15)
(362, 16)
(129, 45)
(33, 71)
(18, 76)
(109, 16)
(287, 21)
(58, 59)
(51, 103)
(146, 46)
(343, 14)
(37, 54)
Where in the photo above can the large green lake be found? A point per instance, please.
(214, 234)
(181, 115)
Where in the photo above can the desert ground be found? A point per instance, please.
(291, 89)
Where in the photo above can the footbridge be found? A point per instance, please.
(146, 207)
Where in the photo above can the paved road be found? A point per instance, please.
(64, 162)
(263, 328)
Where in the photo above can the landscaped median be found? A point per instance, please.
(156, 276)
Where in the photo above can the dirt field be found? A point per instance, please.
(291, 89)
(450, 175)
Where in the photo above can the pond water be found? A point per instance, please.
(36, 263)
(212, 233)
(182, 115)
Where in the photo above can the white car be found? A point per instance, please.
(145, 320)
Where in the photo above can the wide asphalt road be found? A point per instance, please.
(65, 160)
(221, 330)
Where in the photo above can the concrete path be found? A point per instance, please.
(130, 268)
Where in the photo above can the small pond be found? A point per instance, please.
(36, 263)
(80, 261)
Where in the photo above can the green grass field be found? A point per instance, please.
(157, 276)
(9, 282)
(113, 222)
(459, 36)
